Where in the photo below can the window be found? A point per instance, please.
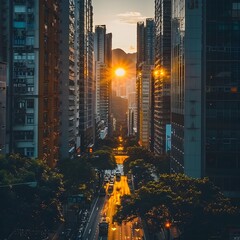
(30, 89)
(29, 40)
(29, 135)
(30, 119)
(31, 56)
(30, 103)
(30, 152)
(19, 9)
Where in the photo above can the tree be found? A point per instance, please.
(130, 141)
(22, 206)
(102, 160)
(135, 153)
(196, 206)
(109, 142)
(79, 176)
(142, 172)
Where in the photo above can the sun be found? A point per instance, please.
(120, 72)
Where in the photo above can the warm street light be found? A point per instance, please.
(114, 227)
(167, 225)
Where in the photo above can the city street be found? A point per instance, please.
(105, 208)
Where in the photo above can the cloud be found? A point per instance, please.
(132, 48)
(130, 17)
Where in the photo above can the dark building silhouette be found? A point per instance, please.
(3, 105)
(103, 81)
(119, 113)
(205, 91)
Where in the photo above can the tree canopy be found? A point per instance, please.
(195, 206)
(102, 160)
(22, 206)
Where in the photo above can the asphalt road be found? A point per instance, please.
(105, 207)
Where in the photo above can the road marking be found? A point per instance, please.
(89, 231)
(97, 209)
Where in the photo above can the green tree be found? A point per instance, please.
(109, 142)
(142, 172)
(79, 176)
(130, 141)
(22, 206)
(196, 206)
(102, 160)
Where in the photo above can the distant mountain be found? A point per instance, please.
(126, 60)
(118, 55)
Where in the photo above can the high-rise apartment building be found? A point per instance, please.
(144, 80)
(145, 63)
(162, 72)
(205, 91)
(103, 64)
(31, 41)
(86, 79)
(69, 79)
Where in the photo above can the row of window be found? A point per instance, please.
(22, 104)
(23, 135)
(22, 88)
(29, 151)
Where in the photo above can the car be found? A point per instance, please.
(111, 181)
(106, 180)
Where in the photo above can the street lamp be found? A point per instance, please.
(167, 226)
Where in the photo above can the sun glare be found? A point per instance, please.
(120, 72)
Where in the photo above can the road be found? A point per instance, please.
(105, 207)
(120, 159)
(91, 230)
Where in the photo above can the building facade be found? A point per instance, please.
(144, 68)
(69, 79)
(205, 91)
(103, 65)
(86, 79)
(144, 79)
(161, 75)
(31, 39)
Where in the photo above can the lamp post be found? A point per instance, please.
(167, 227)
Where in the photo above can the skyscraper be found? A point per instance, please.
(162, 72)
(69, 78)
(103, 64)
(205, 91)
(86, 81)
(145, 63)
(31, 39)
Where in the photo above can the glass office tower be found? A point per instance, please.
(205, 91)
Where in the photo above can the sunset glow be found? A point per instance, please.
(120, 72)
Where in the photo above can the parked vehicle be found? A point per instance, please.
(103, 229)
(110, 189)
